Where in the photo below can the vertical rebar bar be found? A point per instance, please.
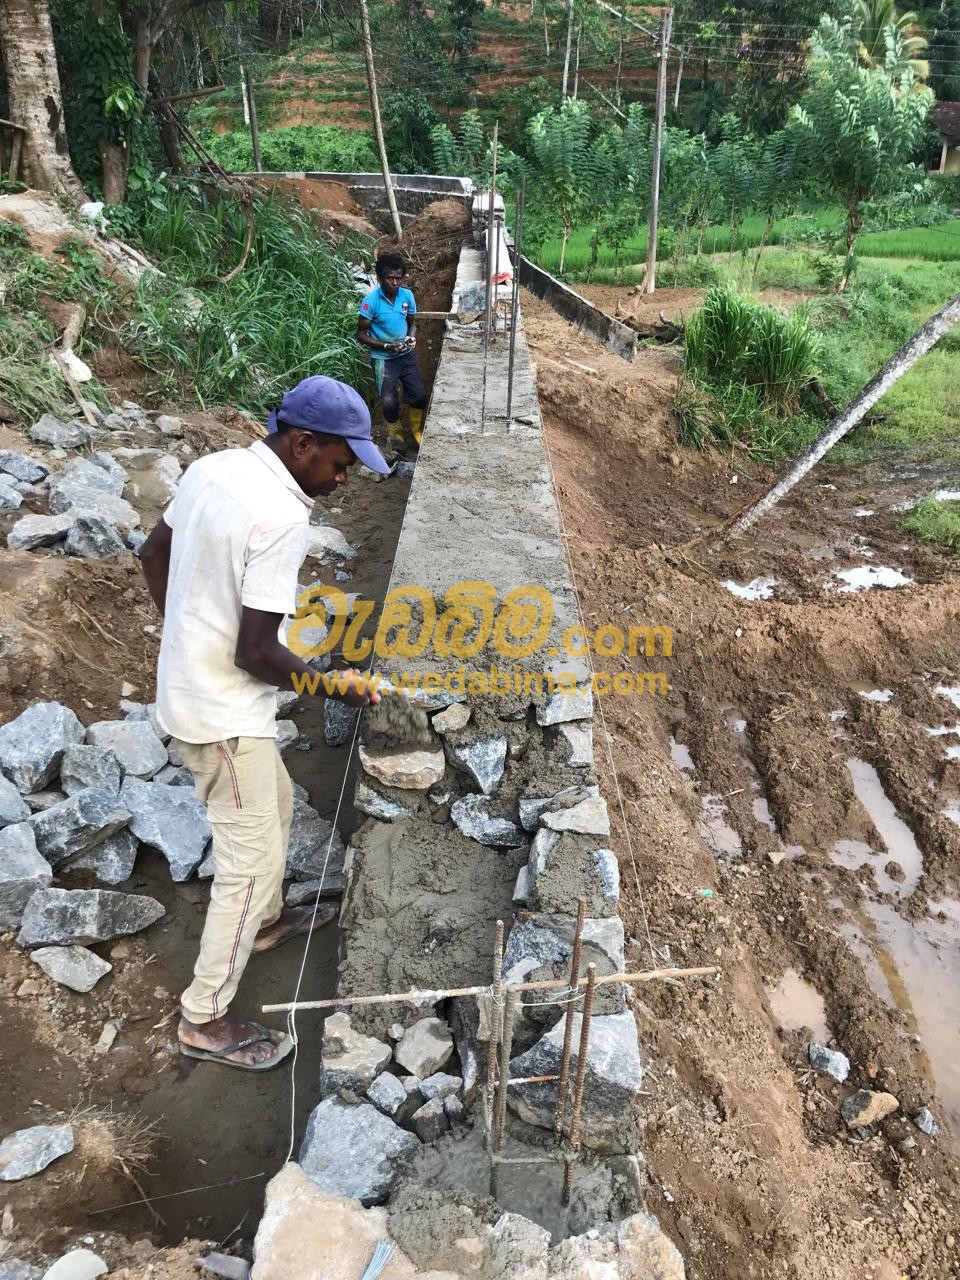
(506, 1045)
(494, 1014)
(581, 1080)
(488, 268)
(515, 295)
(568, 1028)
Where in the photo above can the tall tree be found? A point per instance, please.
(858, 128)
(36, 99)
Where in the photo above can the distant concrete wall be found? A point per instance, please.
(413, 191)
(578, 311)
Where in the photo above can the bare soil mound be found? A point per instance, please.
(782, 825)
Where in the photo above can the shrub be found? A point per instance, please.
(322, 147)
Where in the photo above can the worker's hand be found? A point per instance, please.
(355, 689)
(409, 344)
(394, 346)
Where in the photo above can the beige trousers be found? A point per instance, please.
(249, 800)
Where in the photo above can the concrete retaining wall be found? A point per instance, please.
(578, 311)
(412, 191)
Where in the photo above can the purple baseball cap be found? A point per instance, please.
(323, 404)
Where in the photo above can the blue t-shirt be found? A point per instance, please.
(388, 320)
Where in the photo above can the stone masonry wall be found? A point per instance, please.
(499, 816)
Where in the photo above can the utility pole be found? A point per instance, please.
(375, 111)
(566, 57)
(666, 26)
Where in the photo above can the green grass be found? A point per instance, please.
(289, 312)
(935, 521)
(940, 243)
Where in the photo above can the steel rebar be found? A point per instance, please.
(581, 1080)
(568, 1028)
(515, 296)
(506, 1045)
(488, 270)
(494, 1014)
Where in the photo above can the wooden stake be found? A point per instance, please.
(375, 111)
(448, 993)
(666, 25)
(927, 336)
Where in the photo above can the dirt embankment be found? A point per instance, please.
(76, 630)
(833, 897)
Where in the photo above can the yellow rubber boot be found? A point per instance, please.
(395, 435)
(415, 418)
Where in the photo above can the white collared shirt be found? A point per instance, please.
(239, 522)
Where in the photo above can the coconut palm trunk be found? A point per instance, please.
(36, 100)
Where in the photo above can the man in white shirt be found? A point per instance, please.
(222, 567)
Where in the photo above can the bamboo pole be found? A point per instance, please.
(927, 336)
(515, 297)
(650, 278)
(375, 112)
(448, 993)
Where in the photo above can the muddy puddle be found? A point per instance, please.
(912, 965)
(798, 1006)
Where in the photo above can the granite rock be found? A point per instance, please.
(589, 817)
(22, 467)
(92, 538)
(472, 816)
(169, 819)
(354, 1151)
(13, 807)
(369, 801)
(32, 745)
(483, 761)
(29, 1151)
(31, 532)
(78, 1264)
(85, 766)
(339, 722)
(61, 917)
(315, 850)
(866, 1107)
(614, 1077)
(112, 860)
(78, 823)
(408, 770)
(349, 1059)
(60, 435)
(22, 872)
(10, 498)
(387, 1094)
(75, 967)
(561, 707)
(425, 1047)
(829, 1062)
(134, 743)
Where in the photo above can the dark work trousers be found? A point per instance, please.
(390, 375)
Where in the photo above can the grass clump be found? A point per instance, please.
(732, 340)
(935, 520)
(290, 311)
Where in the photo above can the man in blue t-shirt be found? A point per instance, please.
(387, 324)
